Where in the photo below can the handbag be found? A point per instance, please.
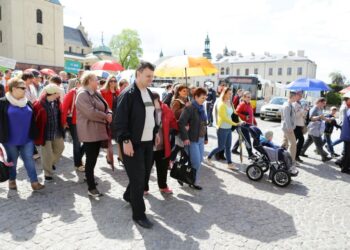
(4, 172)
(182, 169)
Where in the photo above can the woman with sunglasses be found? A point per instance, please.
(110, 92)
(18, 131)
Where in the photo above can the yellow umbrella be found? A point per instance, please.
(185, 66)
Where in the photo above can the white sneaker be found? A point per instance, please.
(293, 170)
(232, 166)
(208, 161)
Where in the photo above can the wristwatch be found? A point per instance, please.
(126, 141)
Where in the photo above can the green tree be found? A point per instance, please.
(126, 46)
(337, 78)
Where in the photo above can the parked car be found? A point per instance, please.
(273, 109)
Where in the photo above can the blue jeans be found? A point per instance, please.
(196, 155)
(327, 139)
(26, 153)
(224, 143)
(336, 142)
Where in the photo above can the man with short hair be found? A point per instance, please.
(31, 94)
(288, 125)
(299, 124)
(316, 128)
(345, 136)
(135, 130)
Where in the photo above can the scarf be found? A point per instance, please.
(201, 110)
(19, 103)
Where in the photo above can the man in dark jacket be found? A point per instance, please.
(345, 136)
(329, 127)
(135, 131)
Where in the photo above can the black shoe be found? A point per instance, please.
(335, 155)
(299, 160)
(304, 155)
(196, 187)
(345, 171)
(145, 223)
(326, 158)
(53, 167)
(338, 163)
(180, 182)
(235, 152)
(94, 193)
(126, 199)
(48, 178)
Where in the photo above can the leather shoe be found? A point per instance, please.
(145, 223)
(304, 155)
(299, 160)
(326, 158)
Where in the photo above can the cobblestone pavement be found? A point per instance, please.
(230, 212)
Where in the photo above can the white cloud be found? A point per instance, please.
(316, 26)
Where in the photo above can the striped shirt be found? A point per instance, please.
(147, 134)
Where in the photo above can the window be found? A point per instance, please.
(238, 72)
(246, 72)
(270, 71)
(39, 39)
(227, 71)
(222, 71)
(289, 71)
(300, 71)
(256, 71)
(0, 13)
(279, 71)
(70, 49)
(0, 36)
(39, 16)
(82, 51)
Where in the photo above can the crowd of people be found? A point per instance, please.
(36, 112)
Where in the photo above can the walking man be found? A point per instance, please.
(135, 131)
(345, 136)
(288, 126)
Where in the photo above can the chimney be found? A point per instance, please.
(301, 53)
(233, 53)
(266, 53)
(240, 55)
(253, 54)
(291, 53)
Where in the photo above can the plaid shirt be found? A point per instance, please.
(52, 130)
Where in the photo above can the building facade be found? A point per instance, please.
(274, 67)
(31, 32)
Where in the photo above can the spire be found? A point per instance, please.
(226, 51)
(80, 22)
(161, 53)
(102, 39)
(184, 52)
(207, 52)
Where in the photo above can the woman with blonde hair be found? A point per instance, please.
(224, 124)
(110, 91)
(93, 116)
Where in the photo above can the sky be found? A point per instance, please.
(319, 27)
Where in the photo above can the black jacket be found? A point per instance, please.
(329, 126)
(130, 114)
(4, 128)
(190, 116)
(2, 90)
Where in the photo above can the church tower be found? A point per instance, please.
(207, 52)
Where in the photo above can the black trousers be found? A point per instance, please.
(138, 169)
(92, 150)
(345, 161)
(78, 149)
(162, 165)
(307, 144)
(246, 134)
(298, 132)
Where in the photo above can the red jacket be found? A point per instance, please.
(168, 122)
(109, 96)
(246, 113)
(67, 105)
(40, 116)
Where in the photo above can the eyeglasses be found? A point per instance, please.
(113, 81)
(22, 88)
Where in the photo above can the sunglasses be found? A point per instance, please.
(113, 81)
(22, 88)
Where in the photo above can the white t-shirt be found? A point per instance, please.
(147, 134)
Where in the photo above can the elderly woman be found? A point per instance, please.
(194, 116)
(93, 116)
(18, 130)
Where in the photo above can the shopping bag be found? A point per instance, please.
(182, 170)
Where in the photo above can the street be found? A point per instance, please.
(231, 212)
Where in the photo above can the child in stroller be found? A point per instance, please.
(270, 157)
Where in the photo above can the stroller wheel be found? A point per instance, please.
(281, 178)
(254, 172)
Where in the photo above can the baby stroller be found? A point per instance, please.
(275, 160)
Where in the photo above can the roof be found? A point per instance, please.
(260, 58)
(74, 36)
(55, 2)
(102, 49)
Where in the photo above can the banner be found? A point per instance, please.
(7, 63)
(72, 66)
